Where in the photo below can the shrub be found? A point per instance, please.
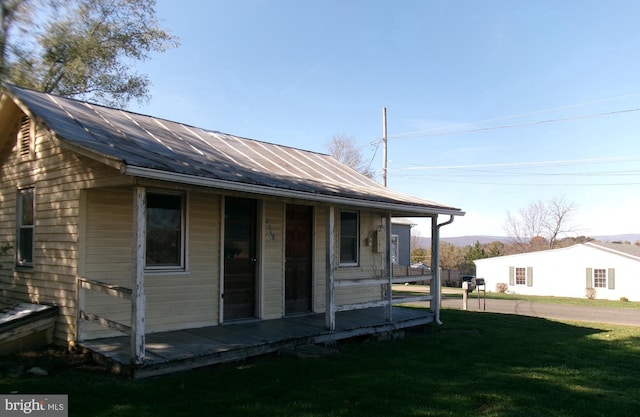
(591, 293)
(502, 287)
(624, 299)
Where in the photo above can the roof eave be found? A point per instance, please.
(407, 210)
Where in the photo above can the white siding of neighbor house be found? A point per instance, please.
(563, 272)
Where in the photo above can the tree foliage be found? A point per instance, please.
(451, 256)
(458, 258)
(344, 149)
(84, 49)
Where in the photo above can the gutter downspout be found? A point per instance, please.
(436, 287)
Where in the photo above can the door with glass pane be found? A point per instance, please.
(239, 295)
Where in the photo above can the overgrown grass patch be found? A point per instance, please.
(475, 364)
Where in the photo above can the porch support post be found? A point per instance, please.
(80, 307)
(138, 294)
(435, 268)
(389, 267)
(330, 314)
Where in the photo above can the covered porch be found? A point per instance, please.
(180, 350)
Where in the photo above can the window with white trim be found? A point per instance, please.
(25, 227)
(349, 241)
(599, 278)
(165, 244)
(521, 276)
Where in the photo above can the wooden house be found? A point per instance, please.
(600, 270)
(135, 225)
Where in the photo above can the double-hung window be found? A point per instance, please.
(165, 243)
(24, 227)
(349, 232)
(521, 276)
(599, 278)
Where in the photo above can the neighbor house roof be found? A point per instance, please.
(624, 249)
(150, 147)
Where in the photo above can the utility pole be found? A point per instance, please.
(384, 148)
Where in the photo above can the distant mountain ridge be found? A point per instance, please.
(483, 239)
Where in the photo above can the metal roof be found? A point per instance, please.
(150, 147)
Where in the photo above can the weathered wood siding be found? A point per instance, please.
(57, 176)
(106, 253)
(371, 265)
(84, 227)
(173, 300)
(272, 260)
(320, 259)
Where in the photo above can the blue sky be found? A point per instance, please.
(491, 105)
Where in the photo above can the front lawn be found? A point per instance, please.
(451, 292)
(476, 364)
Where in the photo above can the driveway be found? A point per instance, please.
(626, 317)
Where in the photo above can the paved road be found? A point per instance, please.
(621, 316)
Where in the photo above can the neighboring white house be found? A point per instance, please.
(611, 269)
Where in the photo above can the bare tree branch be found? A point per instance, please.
(540, 225)
(344, 149)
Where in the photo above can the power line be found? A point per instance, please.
(539, 122)
(474, 174)
(565, 162)
(430, 131)
(530, 184)
(532, 174)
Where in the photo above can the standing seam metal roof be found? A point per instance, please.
(141, 143)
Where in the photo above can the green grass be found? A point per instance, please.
(558, 300)
(452, 292)
(476, 364)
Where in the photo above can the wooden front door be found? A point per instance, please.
(298, 256)
(239, 295)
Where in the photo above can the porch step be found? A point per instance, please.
(26, 326)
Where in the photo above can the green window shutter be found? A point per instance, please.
(611, 278)
(512, 275)
(589, 278)
(529, 276)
